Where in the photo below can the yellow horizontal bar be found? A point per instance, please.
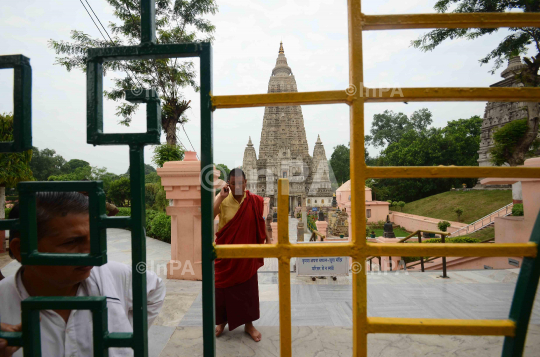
(441, 326)
(375, 95)
(453, 249)
(376, 249)
(284, 250)
(279, 99)
(449, 94)
(451, 20)
(450, 171)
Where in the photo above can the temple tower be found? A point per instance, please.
(283, 150)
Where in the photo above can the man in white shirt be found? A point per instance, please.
(63, 227)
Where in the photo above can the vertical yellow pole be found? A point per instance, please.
(358, 221)
(284, 269)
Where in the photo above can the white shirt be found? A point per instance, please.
(74, 338)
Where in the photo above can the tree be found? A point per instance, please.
(165, 152)
(14, 167)
(388, 128)
(459, 212)
(456, 144)
(120, 192)
(74, 164)
(148, 169)
(515, 44)
(443, 225)
(46, 163)
(401, 204)
(507, 141)
(340, 162)
(79, 174)
(223, 171)
(177, 21)
(152, 177)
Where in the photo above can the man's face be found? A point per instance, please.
(238, 185)
(69, 234)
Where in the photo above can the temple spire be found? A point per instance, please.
(249, 142)
(281, 48)
(318, 140)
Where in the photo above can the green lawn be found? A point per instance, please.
(475, 204)
(483, 234)
(397, 231)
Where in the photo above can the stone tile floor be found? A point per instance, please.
(322, 313)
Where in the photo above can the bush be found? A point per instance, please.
(161, 227)
(7, 212)
(517, 209)
(408, 260)
(459, 212)
(120, 191)
(150, 215)
(124, 212)
(443, 225)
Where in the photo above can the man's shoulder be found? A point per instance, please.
(7, 285)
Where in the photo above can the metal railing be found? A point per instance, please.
(484, 221)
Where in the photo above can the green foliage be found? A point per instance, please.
(161, 227)
(46, 163)
(152, 178)
(14, 167)
(311, 223)
(452, 240)
(165, 152)
(516, 42)
(155, 197)
(443, 225)
(459, 212)
(7, 210)
(150, 214)
(401, 204)
(389, 127)
(148, 169)
(223, 171)
(74, 164)
(506, 141)
(456, 144)
(176, 22)
(442, 205)
(517, 209)
(120, 192)
(79, 174)
(340, 163)
(124, 212)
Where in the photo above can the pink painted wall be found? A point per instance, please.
(344, 191)
(412, 222)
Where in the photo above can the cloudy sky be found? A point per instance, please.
(314, 35)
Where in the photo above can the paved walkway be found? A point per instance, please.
(322, 312)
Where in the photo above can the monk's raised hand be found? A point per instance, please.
(224, 191)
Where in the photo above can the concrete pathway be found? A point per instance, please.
(322, 310)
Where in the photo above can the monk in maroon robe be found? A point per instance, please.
(240, 222)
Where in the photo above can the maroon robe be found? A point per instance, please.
(237, 290)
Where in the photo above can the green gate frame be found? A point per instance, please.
(99, 222)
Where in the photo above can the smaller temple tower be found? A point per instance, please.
(250, 166)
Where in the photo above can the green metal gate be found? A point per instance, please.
(29, 338)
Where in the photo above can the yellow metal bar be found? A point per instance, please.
(451, 20)
(449, 94)
(454, 249)
(376, 249)
(277, 99)
(284, 270)
(451, 171)
(357, 92)
(441, 326)
(357, 159)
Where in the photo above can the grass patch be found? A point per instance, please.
(476, 204)
(483, 234)
(397, 231)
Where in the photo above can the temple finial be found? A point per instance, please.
(281, 47)
(249, 142)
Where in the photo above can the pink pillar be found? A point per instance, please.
(181, 181)
(266, 207)
(274, 232)
(321, 227)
